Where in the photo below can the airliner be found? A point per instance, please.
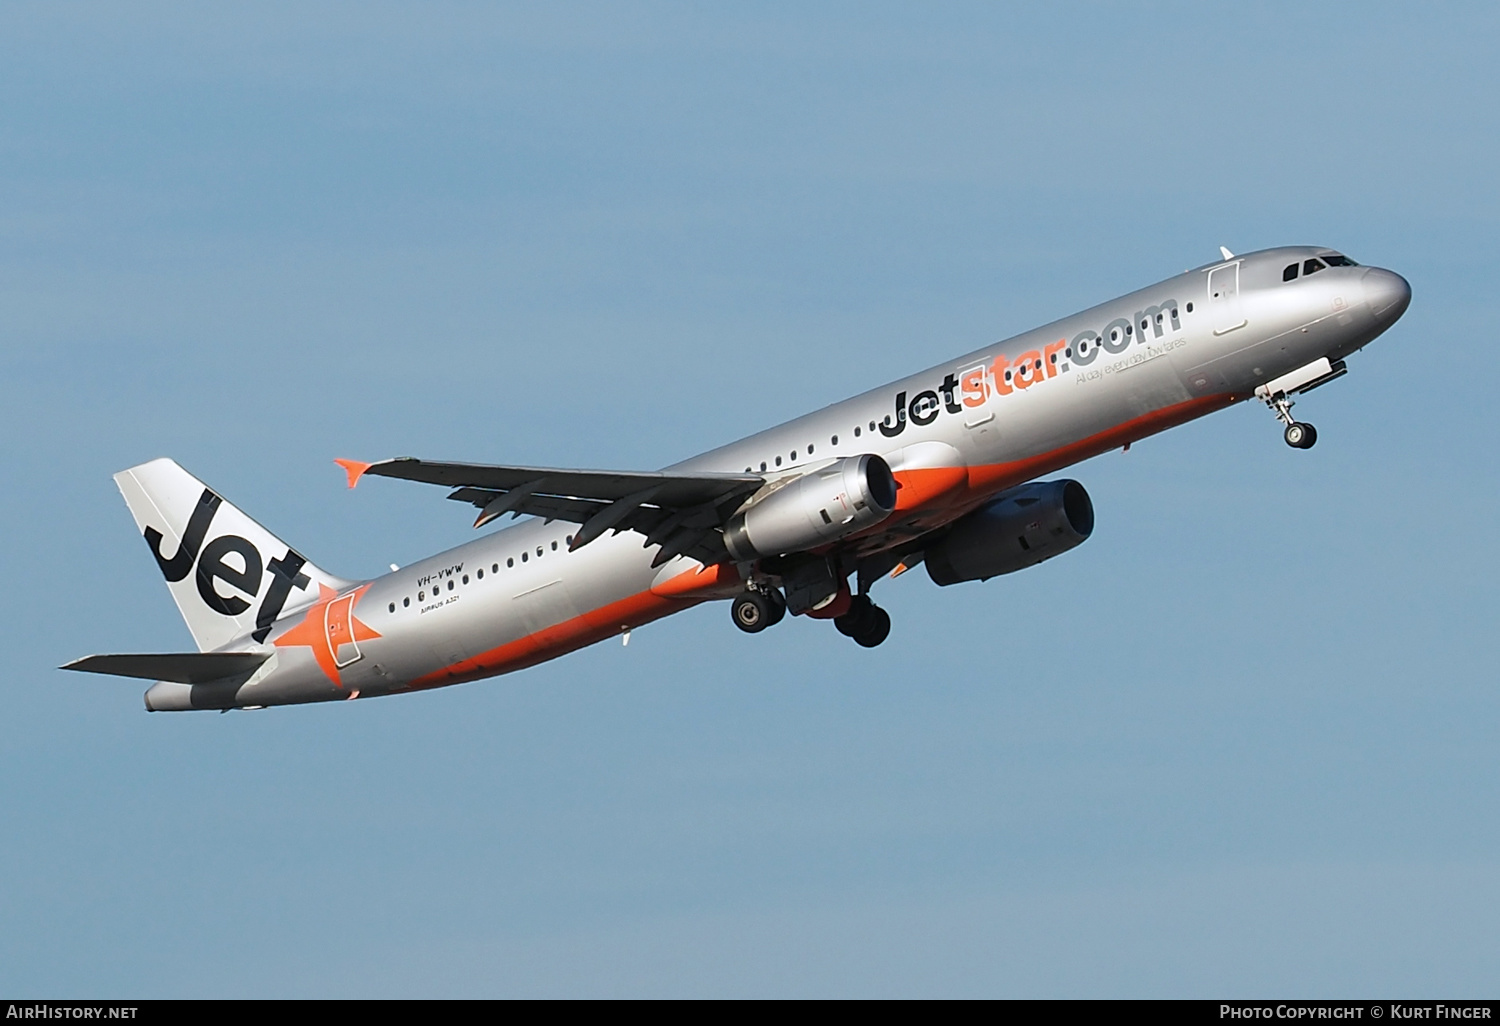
(940, 470)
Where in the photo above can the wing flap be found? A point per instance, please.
(604, 485)
(682, 512)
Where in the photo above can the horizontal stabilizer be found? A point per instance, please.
(177, 667)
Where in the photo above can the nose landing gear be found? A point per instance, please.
(1298, 435)
(1277, 394)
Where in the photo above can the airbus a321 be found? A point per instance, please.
(939, 469)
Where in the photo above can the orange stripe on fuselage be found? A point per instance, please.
(559, 639)
(944, 487)
(944, 501)
(986, 480)
(921, 487)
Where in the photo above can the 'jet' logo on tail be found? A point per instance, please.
(286, 572)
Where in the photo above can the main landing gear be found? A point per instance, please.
(755, 610)
(865, 622)
(1298, 435)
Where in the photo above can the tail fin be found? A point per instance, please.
(229, 576)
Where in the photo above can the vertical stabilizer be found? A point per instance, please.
(229, 576)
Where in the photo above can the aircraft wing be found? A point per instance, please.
(684, 513)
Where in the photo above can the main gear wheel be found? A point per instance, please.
(754, 611)
(865, 622)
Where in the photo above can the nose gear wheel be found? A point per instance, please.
(1298, 434)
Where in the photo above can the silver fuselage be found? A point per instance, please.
(955, 435)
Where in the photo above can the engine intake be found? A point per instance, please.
(821, 506)
(1018, 529)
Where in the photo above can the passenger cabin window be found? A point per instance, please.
(1310, 266)
(1290, 273)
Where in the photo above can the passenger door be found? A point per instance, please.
(1224, 298)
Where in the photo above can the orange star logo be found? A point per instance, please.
(331, 630)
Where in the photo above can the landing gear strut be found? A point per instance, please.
(754, 611)
(1298, 435)
(865, 622)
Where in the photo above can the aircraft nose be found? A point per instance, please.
(1387, 293)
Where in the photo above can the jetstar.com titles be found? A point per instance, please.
(973, 387)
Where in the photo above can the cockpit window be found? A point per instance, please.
(1290, 274)
(1310, 266)
(1335, 260)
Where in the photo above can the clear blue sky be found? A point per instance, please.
(1242, 742)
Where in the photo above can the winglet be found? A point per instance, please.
(355, 469)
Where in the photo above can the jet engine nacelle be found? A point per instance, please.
(819, 507)
(1018, 529)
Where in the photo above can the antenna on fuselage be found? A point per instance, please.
(1227, 255)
